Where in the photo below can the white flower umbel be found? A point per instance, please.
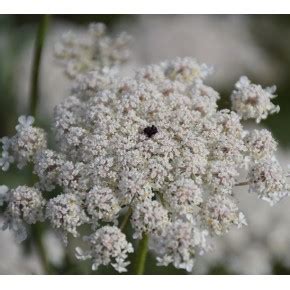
(178, 244)
(221, 176)
(268, 180)
(23, 146)
(108, 245)
(24, 122)
(102, 204)
(65, 213)
(47, 166)
(184, 196)
(91, 51)
(155, 144)
(25, 205)
(260, 144)
(220, 213)
(251, 101)
(148, 217)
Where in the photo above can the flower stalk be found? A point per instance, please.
(39, 44)
(141, 255)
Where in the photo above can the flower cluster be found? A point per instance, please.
(266, 178)
(108, 245)
(251, 101)
(179, 241)
(25, 205)
(258, 248)
(95, 50)
(65, 212)
(155, 144)
(24, 145)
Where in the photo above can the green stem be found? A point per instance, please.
(126, 219)
(37, 229)
(141, 255)
(39, 43)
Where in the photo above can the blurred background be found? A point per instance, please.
(256, 46)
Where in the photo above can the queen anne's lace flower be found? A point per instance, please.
(148, 217)
(102, 204)
(268, 181)
(260, 144)
(65, 213)
(204, 99)
(86, 52)
(184, 196)
(221, 176)
(73, 177)
(220, 213)
(107, 245)
(186, 69)
(178, 244)
(24, 145)
(25, 205)
(47, 166)
(155, 143)
(24, 122)
(228, 149)
(251, 101)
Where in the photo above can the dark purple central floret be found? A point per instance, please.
(150, 131)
